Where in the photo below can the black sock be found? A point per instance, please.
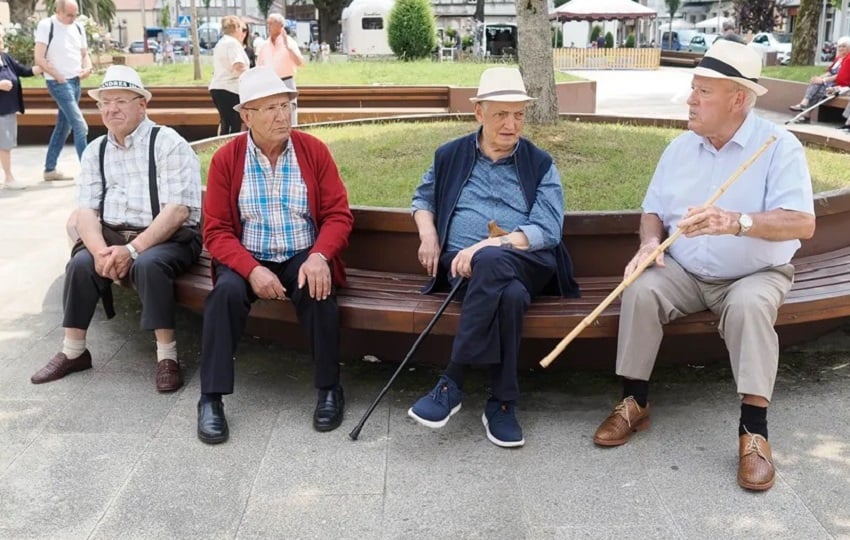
(209, 398)
(457, 373)
(637, 389)
(753, 419)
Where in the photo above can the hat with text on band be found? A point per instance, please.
(734, 61)
(260, 82)
(501, 84)
(121, 78)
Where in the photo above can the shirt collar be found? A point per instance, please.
(138, 134)
(741, 137)
(254, 150)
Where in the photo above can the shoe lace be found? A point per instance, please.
(753, 445)
(622, 409)
(440, 393)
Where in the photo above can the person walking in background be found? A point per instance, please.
(281, 53)
(11, 103)
(61, 51)
(229, 62)
(247, 47)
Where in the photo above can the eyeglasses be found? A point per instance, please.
(272, 109)
(120, 103)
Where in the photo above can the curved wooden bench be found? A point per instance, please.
(384, 279)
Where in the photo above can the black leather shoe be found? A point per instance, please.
(328, 415)
(212, 425)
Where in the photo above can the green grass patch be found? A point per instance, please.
(351, 73)
(793, 73)
(603, 167)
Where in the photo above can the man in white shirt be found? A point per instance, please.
(61, 51)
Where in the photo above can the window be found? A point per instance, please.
(373, 23)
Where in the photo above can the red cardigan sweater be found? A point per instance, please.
(326, 196)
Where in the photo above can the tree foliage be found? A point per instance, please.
(755, 15)
(412, 31)
(265, 6)
(672, 8)
(165, 16)
(102, 11)
(806, 33)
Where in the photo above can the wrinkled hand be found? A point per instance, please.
(462, 263)
(643, 252)
(85, 73)
(117, 262)
(316, 273)
(5, 85)
(709, 220)
(36, 70)
(265, 284)
(429, 254)
(61, 79)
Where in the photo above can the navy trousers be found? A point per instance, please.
(153, 275)
(495, 300)
(226, 311)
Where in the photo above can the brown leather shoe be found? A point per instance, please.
(168, 378)
(627, 418)
(755, 468)
(60, 365)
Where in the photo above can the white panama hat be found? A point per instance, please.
(501, 84)
(260, 82)
(121, 78)
(734, 61)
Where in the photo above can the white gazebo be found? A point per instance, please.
(714, 24)
(602, 10)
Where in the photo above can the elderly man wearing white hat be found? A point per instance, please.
(276, 219)
(139, 205)
(733, 257)
(491, 175)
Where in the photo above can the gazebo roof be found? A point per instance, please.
(602, 10)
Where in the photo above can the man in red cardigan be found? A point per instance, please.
(276, 219)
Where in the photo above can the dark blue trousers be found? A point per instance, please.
(495, 300)
(226, 311)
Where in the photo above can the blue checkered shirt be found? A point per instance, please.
(275, 213)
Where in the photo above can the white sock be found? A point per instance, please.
(166, 351)
(73, 348)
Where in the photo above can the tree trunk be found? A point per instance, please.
(806, 33)
(196, 48)
(535, 60)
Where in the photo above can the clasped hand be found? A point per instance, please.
(113, 262)
(709, 220)
(314, 272)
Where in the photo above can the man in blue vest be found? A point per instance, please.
(491, 176)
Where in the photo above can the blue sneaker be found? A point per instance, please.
(434, 409)
(499, 419)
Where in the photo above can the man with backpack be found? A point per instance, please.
(139, 205)
(61, 51)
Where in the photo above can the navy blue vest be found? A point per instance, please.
(453, 164)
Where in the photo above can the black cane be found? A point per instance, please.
(356, 431)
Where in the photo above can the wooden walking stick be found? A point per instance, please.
(644, 264)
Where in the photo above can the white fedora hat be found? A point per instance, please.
(501, 84)
(734, 61)
(121, 78)
(260, 82)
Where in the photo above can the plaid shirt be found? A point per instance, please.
(276, 220)
(178, 174)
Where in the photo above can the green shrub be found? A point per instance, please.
(609, 40)
(412, 30)
(467, 41)
(630, 41)
(20, 43)
(594, 32)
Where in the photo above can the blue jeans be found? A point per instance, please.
(67, 98)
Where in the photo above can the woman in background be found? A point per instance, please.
(11, 103)
(246, 45)
(229, 62)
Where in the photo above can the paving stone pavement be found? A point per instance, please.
(101, 455)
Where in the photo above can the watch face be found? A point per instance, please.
(745, 221)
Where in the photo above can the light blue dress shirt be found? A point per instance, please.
(691, 170)
(493, 193)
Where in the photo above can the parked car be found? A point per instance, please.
(701, 42)
(779, 42)
(138, 47)
(680, 39)
(182, 46)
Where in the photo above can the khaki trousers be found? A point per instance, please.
(747, 308)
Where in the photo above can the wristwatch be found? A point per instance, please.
(746, 223)
(505, 242)
(133, 253)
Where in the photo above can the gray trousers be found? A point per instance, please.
(153, 275)
(747, 308)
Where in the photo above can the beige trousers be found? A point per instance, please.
(747, 308)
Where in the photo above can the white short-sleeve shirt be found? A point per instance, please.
(227, 52)
(64, 51)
